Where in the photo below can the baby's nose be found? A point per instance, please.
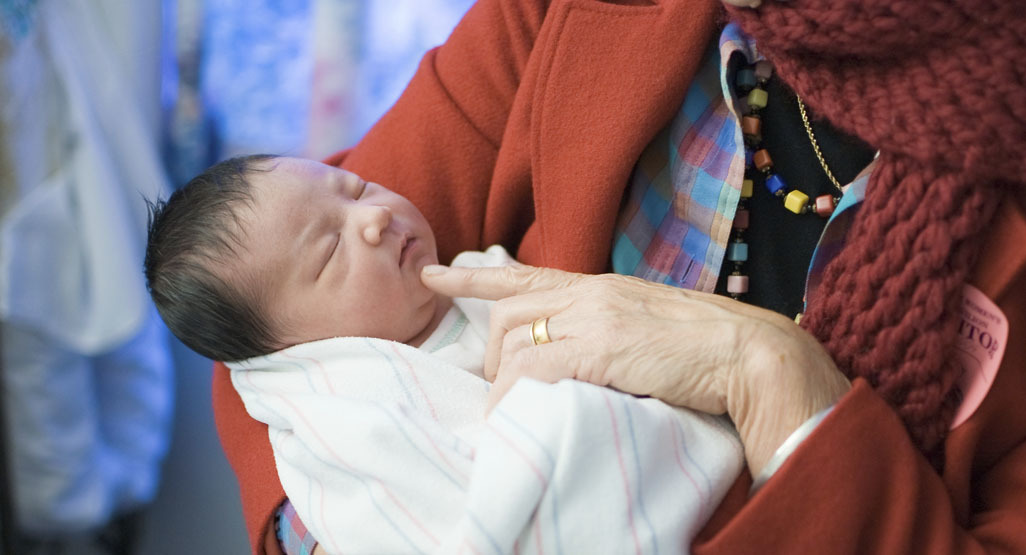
(376, 220)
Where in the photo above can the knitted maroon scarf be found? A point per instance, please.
(939, 87)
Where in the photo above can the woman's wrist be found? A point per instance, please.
(787, 377)
(784, 452)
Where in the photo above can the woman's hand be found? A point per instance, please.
(687, 348)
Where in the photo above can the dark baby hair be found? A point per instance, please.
(194, 230)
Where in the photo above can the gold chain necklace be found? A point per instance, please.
(815, 145)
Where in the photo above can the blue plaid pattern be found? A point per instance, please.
(293, 536)
(684, 191)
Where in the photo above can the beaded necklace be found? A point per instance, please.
(751, 81)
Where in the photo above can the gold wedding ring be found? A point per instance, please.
(540, 331)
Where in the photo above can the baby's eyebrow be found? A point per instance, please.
(348, 185)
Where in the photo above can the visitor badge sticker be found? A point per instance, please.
(982, 333)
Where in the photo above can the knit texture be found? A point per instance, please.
(938, 87)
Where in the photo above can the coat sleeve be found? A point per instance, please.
(859, 485)
(437, 146)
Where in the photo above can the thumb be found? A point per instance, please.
(493, 283)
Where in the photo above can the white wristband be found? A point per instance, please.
(784, 451)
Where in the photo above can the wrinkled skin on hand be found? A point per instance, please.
(687, 348)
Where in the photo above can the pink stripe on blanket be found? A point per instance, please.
(676, 454)
(462, 475)
(623, 471)
(534, 468)
(352, 469)
(324, 516)
(468, 545)
(537, 540)
(324, 373)
(320, 485)
(516, 449)
(416, 380)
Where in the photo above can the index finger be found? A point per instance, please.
(493, 283)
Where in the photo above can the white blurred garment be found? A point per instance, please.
(86, 367)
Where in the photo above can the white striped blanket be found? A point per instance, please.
(382, 448)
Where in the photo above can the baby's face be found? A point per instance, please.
(332, 255)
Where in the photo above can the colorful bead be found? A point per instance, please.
(741, 219)
(825, 205)
(742, 105)
(757, 99)
(776, 184)
(751, 126)
(795, 201)
(737, 252)
(762, 160)
(763, 71)
(746, 188)
(746, 79)
(737, 284)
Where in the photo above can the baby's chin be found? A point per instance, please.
(426, 323)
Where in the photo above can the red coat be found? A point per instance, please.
(522, 130)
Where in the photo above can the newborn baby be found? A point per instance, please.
(307, 278)
(260, 253)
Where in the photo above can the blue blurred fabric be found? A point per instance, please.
(302, 78)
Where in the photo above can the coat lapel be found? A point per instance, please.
(600, 103)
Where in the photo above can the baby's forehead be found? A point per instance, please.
(285, 166)
(271, 187)
(281, 215)
(263, 227)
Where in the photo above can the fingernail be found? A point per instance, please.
(433, 270)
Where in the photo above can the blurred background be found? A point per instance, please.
(106, 430)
